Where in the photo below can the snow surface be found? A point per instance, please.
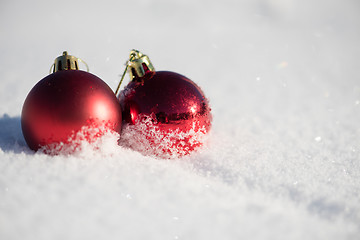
(283, 158)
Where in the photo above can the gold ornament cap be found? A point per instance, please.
(139, 64)
(66, 62)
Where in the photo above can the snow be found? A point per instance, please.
(283, 157)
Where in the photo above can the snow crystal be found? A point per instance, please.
(87, 137)
(148, 138)
(318, 139)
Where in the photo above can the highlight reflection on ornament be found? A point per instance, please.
(67, 102)
(165, 113)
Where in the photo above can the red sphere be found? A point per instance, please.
(167, 114)
(65, 102)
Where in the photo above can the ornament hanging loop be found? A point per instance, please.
(132, 56)
(137, 66)
(67, 62)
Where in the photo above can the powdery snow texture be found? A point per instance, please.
(283, 157)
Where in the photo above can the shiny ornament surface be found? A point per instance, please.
(166, 114)
(65, 103)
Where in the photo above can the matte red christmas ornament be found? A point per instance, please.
(68, 105)
(165, 113)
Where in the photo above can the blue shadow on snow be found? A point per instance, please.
(11, 137)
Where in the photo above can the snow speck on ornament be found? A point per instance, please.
(146, 137)
(87, 138)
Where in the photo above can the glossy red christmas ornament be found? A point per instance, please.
(165, 113)
(68, 105)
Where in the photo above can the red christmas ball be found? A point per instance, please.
(165, 113)
(65, 103)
